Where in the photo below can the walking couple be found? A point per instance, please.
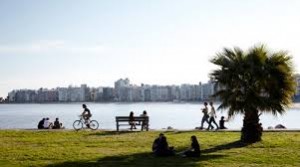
(209, 117)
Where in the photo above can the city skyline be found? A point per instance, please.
(122, 91)
(51, 43)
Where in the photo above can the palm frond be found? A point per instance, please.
(256, 79)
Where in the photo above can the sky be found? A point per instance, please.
(55, 43)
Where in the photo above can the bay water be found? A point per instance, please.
(182, 116)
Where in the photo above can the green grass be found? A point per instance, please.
(90, 148)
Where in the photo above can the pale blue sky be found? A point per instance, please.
(60, 42)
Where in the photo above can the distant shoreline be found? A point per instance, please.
(147, 102)
(91, 102)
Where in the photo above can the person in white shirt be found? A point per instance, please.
(47, 124)
(145, 124)
(212, 115)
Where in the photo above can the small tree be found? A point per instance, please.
(253, 82)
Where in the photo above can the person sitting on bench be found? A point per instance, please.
(131, 121)
(144, 123)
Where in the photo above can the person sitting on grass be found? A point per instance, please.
(41, 124)
(222, 122)
(57, 124)
(131, 121)
(47, 124)
(156, 141)
(194, 151)
(163, 148)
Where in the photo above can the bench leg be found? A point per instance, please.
(117, 126)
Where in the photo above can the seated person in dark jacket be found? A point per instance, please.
(41, 124)
(222, 122)
(163, 148)
(194, 151)
(156, 141)
(57, 125)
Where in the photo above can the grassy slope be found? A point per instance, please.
(86, 148)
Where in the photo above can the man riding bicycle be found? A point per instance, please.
(86, 114)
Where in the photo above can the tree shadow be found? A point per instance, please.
(139, 159)
(235, 144)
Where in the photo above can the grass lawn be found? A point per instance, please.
(97, 148)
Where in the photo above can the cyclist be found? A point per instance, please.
(86, 114)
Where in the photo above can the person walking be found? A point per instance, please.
(212, 115)
(205, 115)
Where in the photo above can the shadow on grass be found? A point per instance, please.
(108, 133)
(235, 144)
(140, 159)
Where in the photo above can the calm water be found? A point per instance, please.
(162, 115)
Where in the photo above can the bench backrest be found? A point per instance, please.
(126, 118)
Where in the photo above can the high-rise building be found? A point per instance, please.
(207, 90)
(298, 85)
(122, 89)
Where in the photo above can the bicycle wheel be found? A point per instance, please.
(94, 124)
(77, 125)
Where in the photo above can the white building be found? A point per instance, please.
(207, 90)
(73, 94)
(11, 96)
(122, 89)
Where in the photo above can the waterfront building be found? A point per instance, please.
(135, 93)
(74, 94)
(45, 95)
(63, 95)
(174, 93)
(12, 96)
(108, 94)
(298, 86)
(207, 90)
(25, 96)
(122, 89)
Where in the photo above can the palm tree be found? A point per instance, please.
(251, 83)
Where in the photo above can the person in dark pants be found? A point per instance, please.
(205, 115)
(194, 151)
(212, 115)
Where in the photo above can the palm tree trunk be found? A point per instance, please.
(252, 129)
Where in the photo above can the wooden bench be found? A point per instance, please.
(142, 121)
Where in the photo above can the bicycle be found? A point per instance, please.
(78, 124)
